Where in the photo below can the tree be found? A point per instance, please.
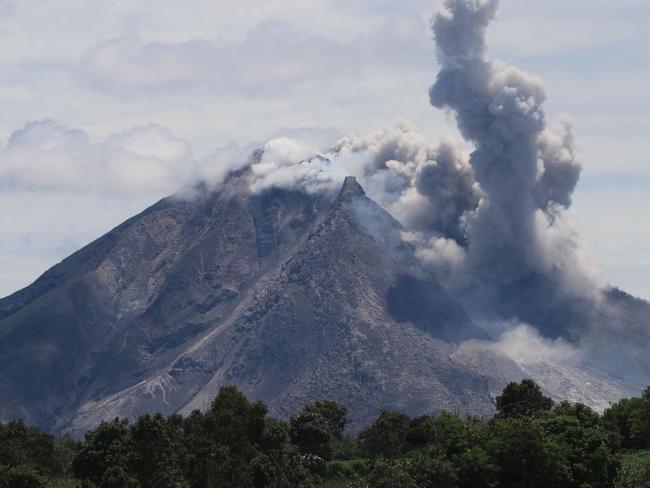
(421, 431)
(476, 469)
(387, 476)
(316, 429)
(451, 434)
(333, 413)
(275, 435)
(625, 420)
(586, 445)
(224, 441)
(523, 456)
(456, 443)
(311, 432)
(430, 469)
(108, 445)
(523, 399)
(22, 445)
(65, 450)
(20, 477)
(233, 420)
(387, 435)
(156, 460)
(116, 477)
(585, 415)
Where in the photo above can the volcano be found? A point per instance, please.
(455, 274)
(288, 295)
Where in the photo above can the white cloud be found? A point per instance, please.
(45, 155)
(353, 66)
(273, 58)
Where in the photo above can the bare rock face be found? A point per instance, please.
(292, 297)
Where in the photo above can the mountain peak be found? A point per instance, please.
(265, 291)
(350, 189)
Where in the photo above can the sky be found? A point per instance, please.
(107, 106)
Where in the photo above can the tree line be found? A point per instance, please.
(530, 442)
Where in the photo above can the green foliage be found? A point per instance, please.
(585, 415)
(386, 436)
(430, 469)
(635, 471)
(20, 477)
(421, 431)
(311, 433)
(333, 413)
(340, 470)
(109, 445)
(318, 429)
(233, 420)
(345, 448)
(64, 483)
(65, 450)
(221, 444)
(116, 477)
(452, 435)
(29, 447)
(275, 435)
(476, 468)
(155, 454)
(629, 421)
(523, 399)
(529, 444)
(388, 476)
(587, 447)
(523, 456)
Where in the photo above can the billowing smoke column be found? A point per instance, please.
(491, 223)
(518, 236)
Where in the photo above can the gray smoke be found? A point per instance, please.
(493, 223)
(448, 183)
(519, 235)
(430, 188)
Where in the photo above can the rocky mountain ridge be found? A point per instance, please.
(289, 295)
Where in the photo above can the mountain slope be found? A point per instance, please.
(288, 295)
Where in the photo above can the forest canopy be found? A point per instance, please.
(530, 442)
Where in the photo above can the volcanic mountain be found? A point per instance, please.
(294, 285)
(289, 295)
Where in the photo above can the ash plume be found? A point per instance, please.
(519, 235)
(429, 187)
(491, 222)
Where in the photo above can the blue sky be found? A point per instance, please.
(109, 105)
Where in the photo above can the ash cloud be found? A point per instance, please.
(448, 183)
(491, 222)
(429, 187)
(519, 236)
(524, 345)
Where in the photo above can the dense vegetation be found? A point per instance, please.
(529, 443)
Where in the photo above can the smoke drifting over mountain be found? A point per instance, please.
(429, 188)
(493, 222)
(489, 221)
(481, 282)
(527, 171)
